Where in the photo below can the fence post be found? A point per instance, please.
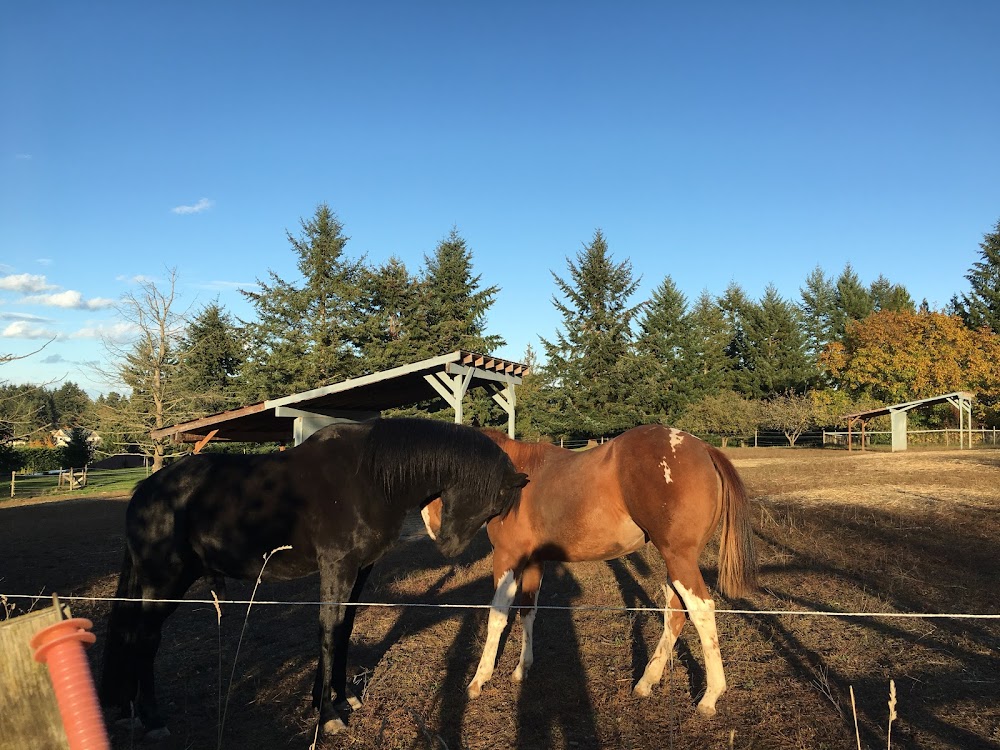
(14, 474)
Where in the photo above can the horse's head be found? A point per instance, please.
(455, 517)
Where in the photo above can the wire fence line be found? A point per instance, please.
(554, 607)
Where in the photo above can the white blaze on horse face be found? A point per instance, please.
(676, 438)
(499, 609)
(666, 470)
(425, 513)
(702, 614)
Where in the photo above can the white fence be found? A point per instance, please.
(946, 438)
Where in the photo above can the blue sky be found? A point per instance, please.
(714, 142)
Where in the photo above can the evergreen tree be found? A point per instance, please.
(210, 359)
(710, 338)
(772, 351)
(819, 303)
(455, 307)
(889, 297)
(590, 365)
(981, 306)
(303, 334)
(667, 354)
(393, 330)
(78, 452)
(734, 305)
(854, 302)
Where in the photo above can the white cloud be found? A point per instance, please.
(25, 317)
(69, 300)
(137, 279)
(203, 205)
(43, 261)
(227, 285)
(22, 157)
(23, 329)
(24, 283)
(117, 332)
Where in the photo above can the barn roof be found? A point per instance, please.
(363, 397)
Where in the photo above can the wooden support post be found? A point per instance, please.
(205, 441)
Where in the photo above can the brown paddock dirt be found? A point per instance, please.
(863, 533)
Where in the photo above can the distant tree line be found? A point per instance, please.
(724, 365)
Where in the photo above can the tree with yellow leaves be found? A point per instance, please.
(904, 356)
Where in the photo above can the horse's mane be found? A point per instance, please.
(399, 452)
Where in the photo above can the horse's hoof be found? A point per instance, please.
(353, 701)
(474, 690)
(156, 735)
(517, 675)
(642, 690)
(334, 726)
(706, 711)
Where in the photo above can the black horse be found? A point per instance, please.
(339, 500)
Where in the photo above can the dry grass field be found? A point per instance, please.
(870, 533)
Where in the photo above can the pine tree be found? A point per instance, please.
(303, 334)
(590, 365)
(455, 307)
(393, 329)
(71, 405)
(665, 345)
(889, 297)
(772, 351)
(734, 305)
(210, 357)
(819, 302)
(981, 306)
(854, 302)
(710, 336)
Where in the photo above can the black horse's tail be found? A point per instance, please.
(119, 681)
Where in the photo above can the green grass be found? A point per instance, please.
(99, 482)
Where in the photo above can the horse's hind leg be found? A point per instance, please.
(690, 586)
(506, 589)
(148, 636)
(673, 622)
(531, 582)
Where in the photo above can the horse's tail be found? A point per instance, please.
(119, 682)
(737, 558)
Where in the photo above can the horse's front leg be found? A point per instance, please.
(340, 584)
(506, 588)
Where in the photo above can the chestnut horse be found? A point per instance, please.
(650, 484)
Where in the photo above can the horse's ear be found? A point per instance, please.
(520, 479)
(475, 423)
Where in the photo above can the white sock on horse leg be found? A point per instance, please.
(702, 613)
(499, 609)
(664, 651)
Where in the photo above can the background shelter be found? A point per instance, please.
(961, 400)
(293, 418)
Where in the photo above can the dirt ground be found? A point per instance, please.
(870, 533)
